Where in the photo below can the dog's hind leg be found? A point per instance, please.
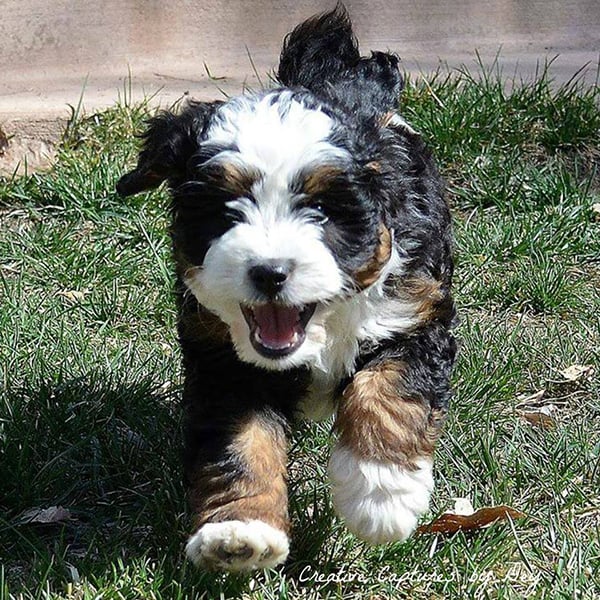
(238, 493)
(388, 422)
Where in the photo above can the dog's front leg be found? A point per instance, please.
(238, 492)
(388, 422)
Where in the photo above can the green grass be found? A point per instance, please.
(90, 375)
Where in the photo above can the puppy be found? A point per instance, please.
(312, 246)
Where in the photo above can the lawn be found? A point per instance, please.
(90, 372)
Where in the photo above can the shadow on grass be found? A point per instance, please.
(108, 453)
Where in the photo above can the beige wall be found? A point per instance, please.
(48, 48)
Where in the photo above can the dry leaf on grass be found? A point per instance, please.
(451, 522)
(532, 401)
(537, 410)
(541, 417)
(73, 295)
(52, 514)
(576, 372)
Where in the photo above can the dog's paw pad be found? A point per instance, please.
(237, 546)
(379, 502)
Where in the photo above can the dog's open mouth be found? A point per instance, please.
(277, 330)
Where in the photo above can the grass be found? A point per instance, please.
(90, 375)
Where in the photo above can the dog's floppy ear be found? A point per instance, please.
(169, 141)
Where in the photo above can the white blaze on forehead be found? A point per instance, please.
(275, 132)
(279, 137)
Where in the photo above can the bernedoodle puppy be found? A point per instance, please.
(313, 253)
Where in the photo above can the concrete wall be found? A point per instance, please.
(48, 49)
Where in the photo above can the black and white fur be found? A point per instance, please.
(313, 251)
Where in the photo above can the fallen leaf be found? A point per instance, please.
(52, 514)
(72, 295)
(575, 372)
(540, 417)
(596, 211)
(451, 523)
(532, 400)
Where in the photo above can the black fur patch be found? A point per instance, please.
(322, 55)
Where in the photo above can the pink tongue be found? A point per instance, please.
(276, 324)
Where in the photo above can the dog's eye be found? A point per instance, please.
(318, 214)
(313, 209)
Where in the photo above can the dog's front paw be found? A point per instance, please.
(237, 546)
(379, 502)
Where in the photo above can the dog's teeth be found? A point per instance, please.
(289, 345)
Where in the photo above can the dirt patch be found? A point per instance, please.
(29, 145)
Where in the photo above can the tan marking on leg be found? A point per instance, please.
(379, 420)
(258, 491)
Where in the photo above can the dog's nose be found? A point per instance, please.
(270, 277)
